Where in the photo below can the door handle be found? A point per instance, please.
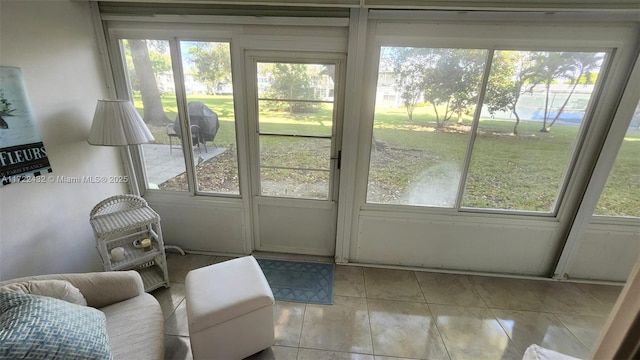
(339, 158)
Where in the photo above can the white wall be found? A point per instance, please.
(606, 252)
(44, 228)
(453, 242)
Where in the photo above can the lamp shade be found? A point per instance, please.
(117, 123)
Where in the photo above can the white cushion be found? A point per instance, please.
(59, 289)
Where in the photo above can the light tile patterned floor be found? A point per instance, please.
(383, 314)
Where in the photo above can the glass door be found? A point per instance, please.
(205, 68)
(295, 105)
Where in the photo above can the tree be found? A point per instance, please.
(294, 82)
(510, 73)
(411, 80)
(453, 82)
(409, 66)
(212, 64)
(158, 56)
(548, 68)
(551, 67)
(579, 70)
(151, 100)
(160, 62)
(465, 92)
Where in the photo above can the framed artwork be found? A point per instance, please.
(23, 157)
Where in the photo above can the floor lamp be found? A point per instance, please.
(117, 123)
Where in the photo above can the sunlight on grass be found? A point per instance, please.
(519, 172)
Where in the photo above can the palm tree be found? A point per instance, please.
(548, 68)
(582, 64)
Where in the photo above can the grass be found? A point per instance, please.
(621, 195)
(507, 172)
(518, 173)
(415, 159)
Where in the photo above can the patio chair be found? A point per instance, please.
(197, 137)
(205, 125)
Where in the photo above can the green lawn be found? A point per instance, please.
(621, 196)
(414, 157)
(507, 172)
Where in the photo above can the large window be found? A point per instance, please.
(436, 144)
(420, 140)
(206, 70)
(150, 78)
(620, 196)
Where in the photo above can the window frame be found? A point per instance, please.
(389, 32)
(254, 57)
(215, 33)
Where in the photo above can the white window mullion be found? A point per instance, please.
(132, 156)
(181, 100)
(474, 128)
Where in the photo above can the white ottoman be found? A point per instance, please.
(229, 310)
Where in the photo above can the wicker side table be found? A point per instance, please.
(122, 221)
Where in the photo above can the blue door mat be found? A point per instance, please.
(298, 281)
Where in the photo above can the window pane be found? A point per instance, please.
(275, 118)
(533, 111)
(303, 184)
(207, 76)
(148, 66)
(425, 101)
(621, 194)
(295, 167)
(292, 81)
(291, 152)
(295, 121)
(301, 95)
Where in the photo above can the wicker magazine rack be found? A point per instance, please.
(122, 221)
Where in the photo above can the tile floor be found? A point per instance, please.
(381, 314)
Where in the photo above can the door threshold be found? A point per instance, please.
(293, 257)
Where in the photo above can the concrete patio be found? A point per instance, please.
(162, 164)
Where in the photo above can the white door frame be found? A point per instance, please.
(311, 237)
